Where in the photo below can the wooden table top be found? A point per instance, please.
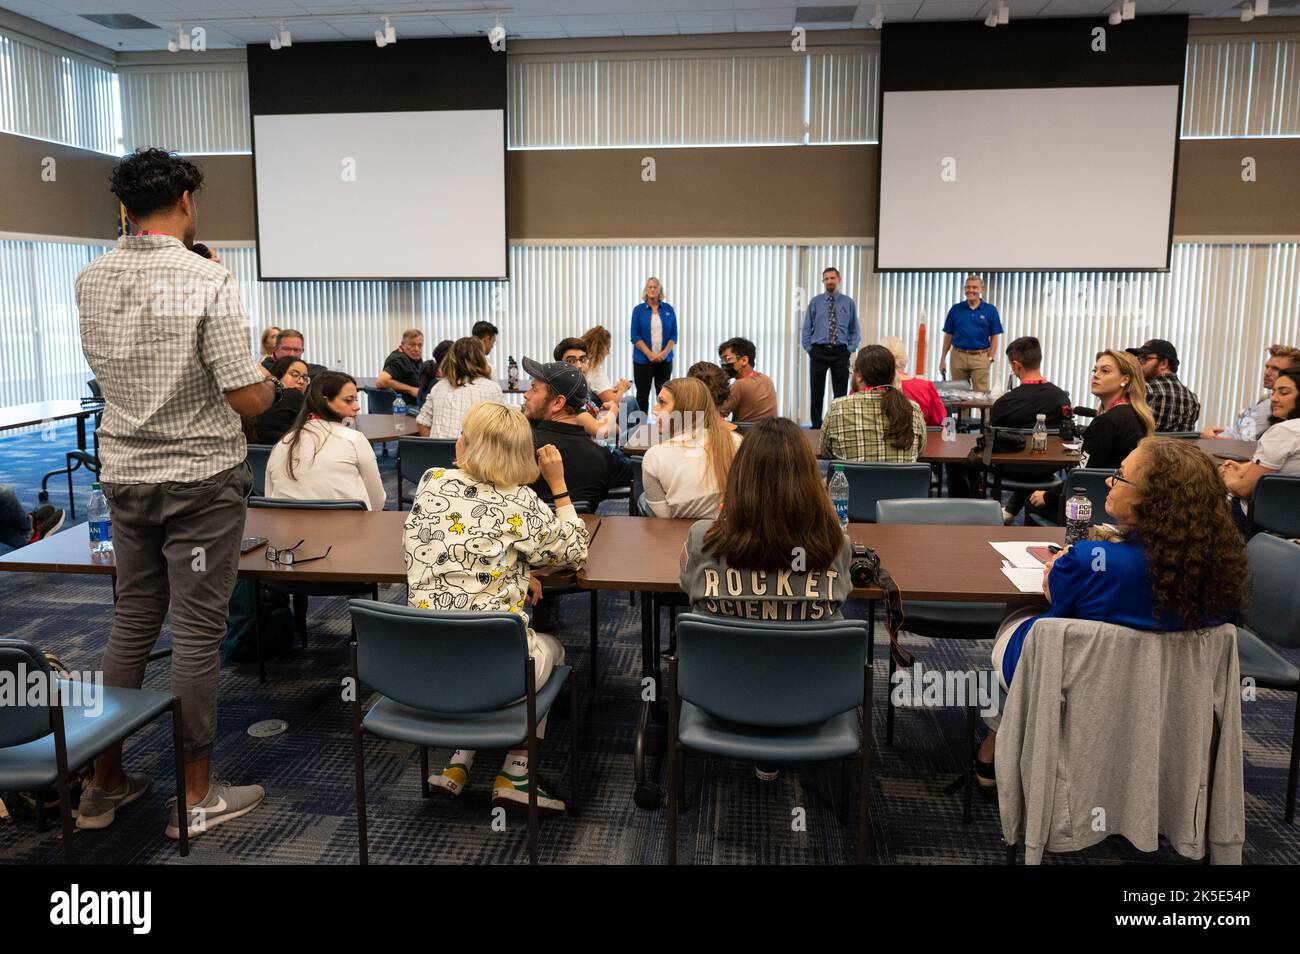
(939, 451)
(367, 547)
(381, 428)
(24, 415)
(927, 562)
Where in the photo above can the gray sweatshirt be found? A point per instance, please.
(1111, 731)
(777, 595)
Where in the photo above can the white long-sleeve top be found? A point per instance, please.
(677, 479)
(331, 462)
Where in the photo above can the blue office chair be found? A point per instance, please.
(934, 618)
(41, 744)
(258, 457)
(1275, 506)
(1093, 481)
(869, 482)
(1272, 619)
(299, 591)
(452, 680)
(769, 692)
(416, 455)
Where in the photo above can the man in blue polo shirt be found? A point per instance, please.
(971, 332)
(830, 336)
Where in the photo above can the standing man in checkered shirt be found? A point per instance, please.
(165, 333)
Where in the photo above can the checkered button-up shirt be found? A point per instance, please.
(165, 333)
(854, 429)
(445, 407)
(1176, 408)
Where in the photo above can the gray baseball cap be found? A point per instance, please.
(563, 378)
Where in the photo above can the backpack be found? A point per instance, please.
(240, 642)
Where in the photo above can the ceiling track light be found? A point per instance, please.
(1115, 17)
(879, 19)
(387, 35)
(991, 20)
(1004, 14)
(181, 42)
(1129, 10)
(1247, 13)
(1261, 8)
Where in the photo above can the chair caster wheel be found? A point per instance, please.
(647, 796)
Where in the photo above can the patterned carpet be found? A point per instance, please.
(309, 814)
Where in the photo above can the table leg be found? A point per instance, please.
(646, 794)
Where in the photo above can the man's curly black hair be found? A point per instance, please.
(149, 180)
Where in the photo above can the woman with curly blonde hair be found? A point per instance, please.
(1179, 564)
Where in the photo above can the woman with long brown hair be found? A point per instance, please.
(465, 381)
(776, 552)
(1179, 564)
(598, 341)
(686, 469)
(875, 421)
(1124, 419)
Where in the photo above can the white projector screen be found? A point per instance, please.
(1042, 178)
(406, 194)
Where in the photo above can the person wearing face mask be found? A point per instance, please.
(1179, 563)
(1278, 451)
(1253, 421)
(753, 395)
(1124, 419)
(971, 330)
(290, 374)
(830, 335)
(321, 458)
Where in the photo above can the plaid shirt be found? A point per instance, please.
(1175, 407)
(854, 429)
(445, 406)
(165, 333)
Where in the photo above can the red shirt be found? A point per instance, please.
(923, 393)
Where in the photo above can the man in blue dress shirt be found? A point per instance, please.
(830, 336)
(971, 332)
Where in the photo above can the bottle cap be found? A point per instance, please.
(1079, 490)
(95, 486)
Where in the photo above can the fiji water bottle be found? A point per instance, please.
(949, 428)
(399, 415)
(1038, 444)
(1078, 516)
(101, 522)
(839, 491)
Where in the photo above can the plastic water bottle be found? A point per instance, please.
(1078, 516)
(949, 428)
(512, 373)
(101, 522)
(1039, 443)
(399, 415)
(1246, 424)
(839, 491)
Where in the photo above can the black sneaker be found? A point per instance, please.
(45, 521)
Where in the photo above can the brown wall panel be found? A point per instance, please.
(76, 204)
(825, 192)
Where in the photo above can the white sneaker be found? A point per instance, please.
(1008, 518)
(225, 802)
(98, 808)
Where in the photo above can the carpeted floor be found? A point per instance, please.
(309, 814)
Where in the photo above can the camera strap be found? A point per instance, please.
(903, 659)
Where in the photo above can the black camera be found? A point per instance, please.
(864, 570)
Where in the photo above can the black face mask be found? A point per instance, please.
(730, 369)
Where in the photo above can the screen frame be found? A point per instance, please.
(1163, 25)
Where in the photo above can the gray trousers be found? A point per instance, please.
(176, 544)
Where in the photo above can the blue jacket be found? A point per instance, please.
(641, 316)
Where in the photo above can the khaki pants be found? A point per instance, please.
(973, 367)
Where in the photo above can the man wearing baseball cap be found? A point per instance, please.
(1176, 408)
(552, 404)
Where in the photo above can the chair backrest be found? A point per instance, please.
(416, 455)
(379, 400)
(284, 503)
(1093, 481)
(93, 386)
(770, 674)
(19, 659)
(1275, 506)
(1273, 610)
(958, 511)
(258, 457)
(440, 661)
(871, 482)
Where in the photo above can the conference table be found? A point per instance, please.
(45, 412)
(939, 562)
(382, 428)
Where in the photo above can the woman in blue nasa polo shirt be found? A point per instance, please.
(654, 337)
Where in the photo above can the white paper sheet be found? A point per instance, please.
(1027, 580)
